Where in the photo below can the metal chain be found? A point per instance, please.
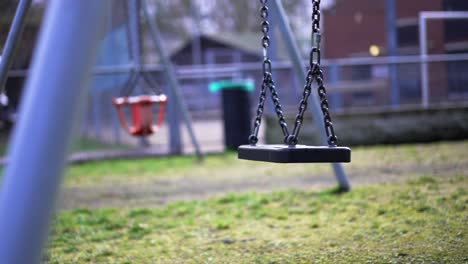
(278, 108)
(332, 138)
(314, 74)
(267, 82)
(253, 138)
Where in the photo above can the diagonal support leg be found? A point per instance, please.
(299, 69)
(50, 109)
(173, 83)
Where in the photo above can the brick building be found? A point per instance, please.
(357, 28)
(352, 26)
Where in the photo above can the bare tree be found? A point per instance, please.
(33, 20)
(177, 16)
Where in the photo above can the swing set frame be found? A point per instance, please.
(32, 178)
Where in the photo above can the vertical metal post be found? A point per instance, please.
(115, 80)
(336, 98)
(135, 40)
(134, 31)
(196, 49)
(116, 128)
(299, 69)
(12, 40)
(173, 119)
(424, 66)
(197, 58)
(97, 113)
(50, 108)
(172, 79)
(392, 44)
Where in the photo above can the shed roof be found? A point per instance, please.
(249, 42)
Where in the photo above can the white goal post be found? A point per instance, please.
(423, 17)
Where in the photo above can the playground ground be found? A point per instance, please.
(409, 204)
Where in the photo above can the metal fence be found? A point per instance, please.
(353, 83)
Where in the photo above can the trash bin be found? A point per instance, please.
(236, 111)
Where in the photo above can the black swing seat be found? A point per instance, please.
(294, 154)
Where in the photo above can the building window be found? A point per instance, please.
(363, 98)
(408, 35)
(361, 72)
(455, 30)
(457, 78)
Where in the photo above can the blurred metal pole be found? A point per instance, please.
(424, 66)
(336, 98)
(392, 45)
(12, 40)
(97, 113)
(173, 120)
(172, 79)
(53, 99)
(299, 69)
(196, 49)
(135, 40)
(110, 45)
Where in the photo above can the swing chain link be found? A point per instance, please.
(314, 74)
(267, 82)
(332, 138)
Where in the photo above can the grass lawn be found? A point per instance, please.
(421, 221)
(409, 206)
(88, 144)
(364, 159)
(80, 144)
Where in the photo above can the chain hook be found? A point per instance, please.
(290, 140)
(266, 67)
(314, 60)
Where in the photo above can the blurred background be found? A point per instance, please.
(395, 72)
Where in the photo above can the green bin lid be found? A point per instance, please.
(247, 86)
